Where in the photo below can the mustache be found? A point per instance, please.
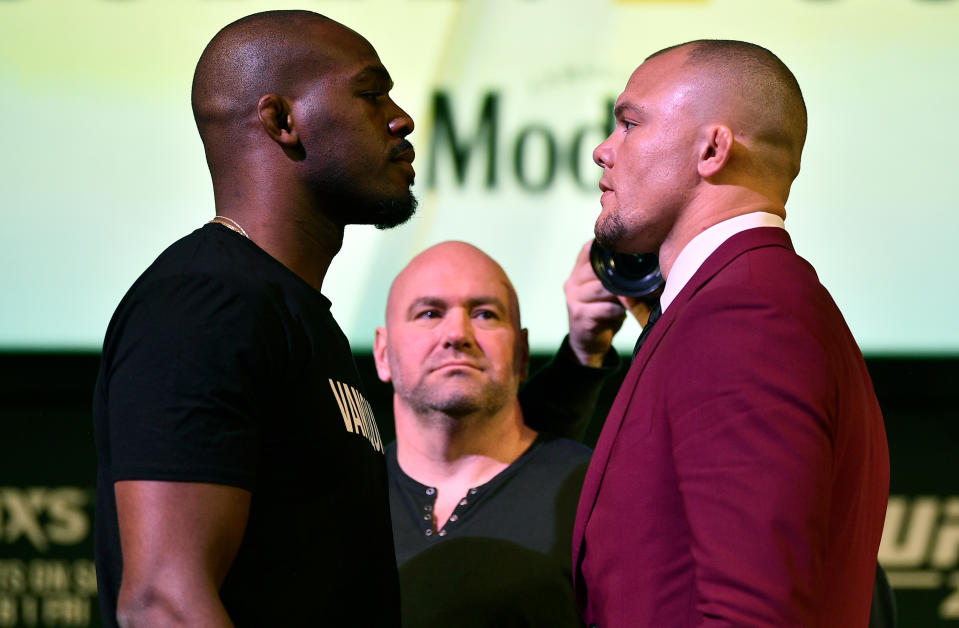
(400, 148)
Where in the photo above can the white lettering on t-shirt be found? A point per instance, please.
(339, 401)
(349, 391)
(371, 422)
(357, 413)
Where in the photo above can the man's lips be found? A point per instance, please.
(606, 190)
(403, 152)
(457, 364)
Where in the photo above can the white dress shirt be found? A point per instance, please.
(703, 245)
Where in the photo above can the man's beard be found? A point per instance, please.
(390, 213)
(435, 397)
(383, 213)
(610, 232)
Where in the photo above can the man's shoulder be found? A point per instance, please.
(213, 268)
(562, 445)
(216, 253)
(390, 452)
(558, 453)
(754, 268)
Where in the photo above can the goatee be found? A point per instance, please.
(610, 232)
(393, 212)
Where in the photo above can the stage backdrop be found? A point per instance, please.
(48, 465)
(102, 168)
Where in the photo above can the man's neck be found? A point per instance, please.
(703, 213)
(290, 228)
(454, 455)
(435, 448)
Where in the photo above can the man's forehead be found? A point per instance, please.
(441, 280)
(662, 67)
(665, 85)
(452, 285)
(341, 47)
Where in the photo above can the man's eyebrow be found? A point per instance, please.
(487, 300)
(426, 302)
(625, 107)
(373, 73)
(431, 301)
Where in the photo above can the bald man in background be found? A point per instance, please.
(742, 475)
(483, 503)
(241, 475)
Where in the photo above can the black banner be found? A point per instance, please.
(48, 470)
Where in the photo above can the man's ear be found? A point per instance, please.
(716, 151)
(276, 116)
(379, 355)
(522, 354)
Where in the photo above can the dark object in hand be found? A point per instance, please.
(626, 274)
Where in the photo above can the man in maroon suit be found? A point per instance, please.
(742, 475)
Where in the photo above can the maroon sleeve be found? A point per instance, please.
(753, 455)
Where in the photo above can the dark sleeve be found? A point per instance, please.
(560, 397)
(883, 611)
(189, 374)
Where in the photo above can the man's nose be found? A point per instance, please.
(458, 331)
(603, 154)
(401, 123)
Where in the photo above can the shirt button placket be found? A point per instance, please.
(428, 508)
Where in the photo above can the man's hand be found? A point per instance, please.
(595, 314)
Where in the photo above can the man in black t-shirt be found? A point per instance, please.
(483, 504)
(241, 476)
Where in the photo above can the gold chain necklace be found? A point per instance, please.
(229, 223)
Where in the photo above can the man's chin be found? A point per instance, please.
(459, 408)
(456, 397)
(610, 233)
(394, 212)
(606, 241)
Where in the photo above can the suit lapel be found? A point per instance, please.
(600, 458)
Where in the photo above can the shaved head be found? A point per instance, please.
(274, 52)
(456, 257)
(255, 55)
(755, 92)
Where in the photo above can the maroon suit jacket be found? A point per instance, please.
(742, 476)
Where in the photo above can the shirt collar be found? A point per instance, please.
(703, 245)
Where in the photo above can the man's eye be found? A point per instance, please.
(372, 96)
(628, 125)
(428, 314)
(486, 315)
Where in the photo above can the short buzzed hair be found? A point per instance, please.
(755, 66)
(769, 92)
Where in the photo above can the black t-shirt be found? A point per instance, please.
(503, 558)
(220, 365)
